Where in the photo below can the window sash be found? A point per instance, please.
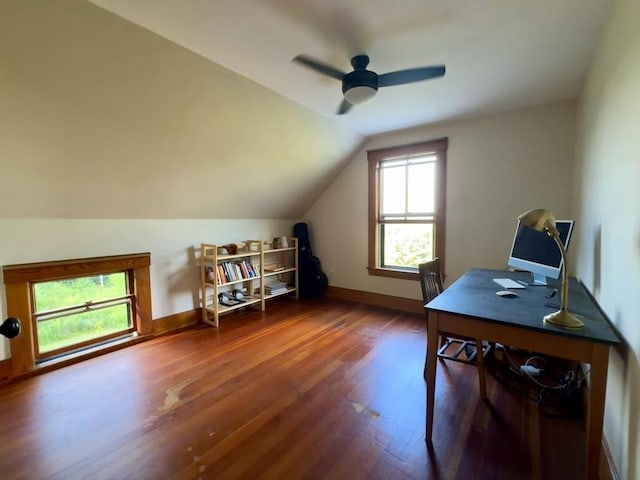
(389, 239)
(408, 167)
(80, 341)
(89, 306)
(39, 317)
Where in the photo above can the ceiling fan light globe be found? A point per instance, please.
(359, 95)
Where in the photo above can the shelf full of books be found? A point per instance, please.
(246, 274)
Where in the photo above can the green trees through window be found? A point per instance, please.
(74, 311)
(407, 245)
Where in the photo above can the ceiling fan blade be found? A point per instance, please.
(318, 66)
(410, 75)
(344, 107)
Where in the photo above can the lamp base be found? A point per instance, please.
(562, 318)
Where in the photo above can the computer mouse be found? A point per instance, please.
(506, 293)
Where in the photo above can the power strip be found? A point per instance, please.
(530, 370)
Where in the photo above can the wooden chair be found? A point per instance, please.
(451, 348)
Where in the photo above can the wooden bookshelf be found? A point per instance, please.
(246, 278)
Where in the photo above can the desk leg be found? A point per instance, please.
(595, 412)
(430, 377)
(480, 359)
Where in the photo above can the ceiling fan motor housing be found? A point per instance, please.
(359, 86)
(360, 78)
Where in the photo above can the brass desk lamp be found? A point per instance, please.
(544, 221)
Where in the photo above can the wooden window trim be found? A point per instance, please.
(18, 279)
(57, 270)
(439, 146)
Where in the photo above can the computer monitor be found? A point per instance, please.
(538, 253)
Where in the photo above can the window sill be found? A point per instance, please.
(70, 359)
(389, 273)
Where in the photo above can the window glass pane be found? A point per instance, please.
(80, 327)
(392, 185)
(406, 245)
(421, 181)
(77, 291)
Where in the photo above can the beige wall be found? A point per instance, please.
(100, 118)
(608, 207)
(497, 167)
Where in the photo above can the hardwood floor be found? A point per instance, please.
(322, 389)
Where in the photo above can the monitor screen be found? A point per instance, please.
(538, 253)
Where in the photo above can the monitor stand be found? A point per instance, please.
(539, 279)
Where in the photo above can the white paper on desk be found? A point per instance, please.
(508, 283)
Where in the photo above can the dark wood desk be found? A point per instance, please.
(471, 308)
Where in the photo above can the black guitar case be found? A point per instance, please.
(312, 280)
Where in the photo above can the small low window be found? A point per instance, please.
(69, 306)
(72, 313)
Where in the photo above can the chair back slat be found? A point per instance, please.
(430, 280)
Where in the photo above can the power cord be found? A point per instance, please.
(566, 392)
(530, 371)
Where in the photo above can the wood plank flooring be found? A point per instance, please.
(320, 389)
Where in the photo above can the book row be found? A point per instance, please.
(234, 271)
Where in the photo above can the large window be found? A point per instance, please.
(406, 207)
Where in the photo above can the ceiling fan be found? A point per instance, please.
(361, 85)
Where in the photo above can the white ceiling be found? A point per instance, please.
(499, 54)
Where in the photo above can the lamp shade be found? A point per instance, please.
(359, 95)
(540, 220)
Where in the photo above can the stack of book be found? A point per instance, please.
(275, 288)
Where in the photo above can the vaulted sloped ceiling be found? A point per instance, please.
(104, 119)
(499, 54)
(193, 109)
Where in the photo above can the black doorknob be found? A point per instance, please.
(10, 328)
